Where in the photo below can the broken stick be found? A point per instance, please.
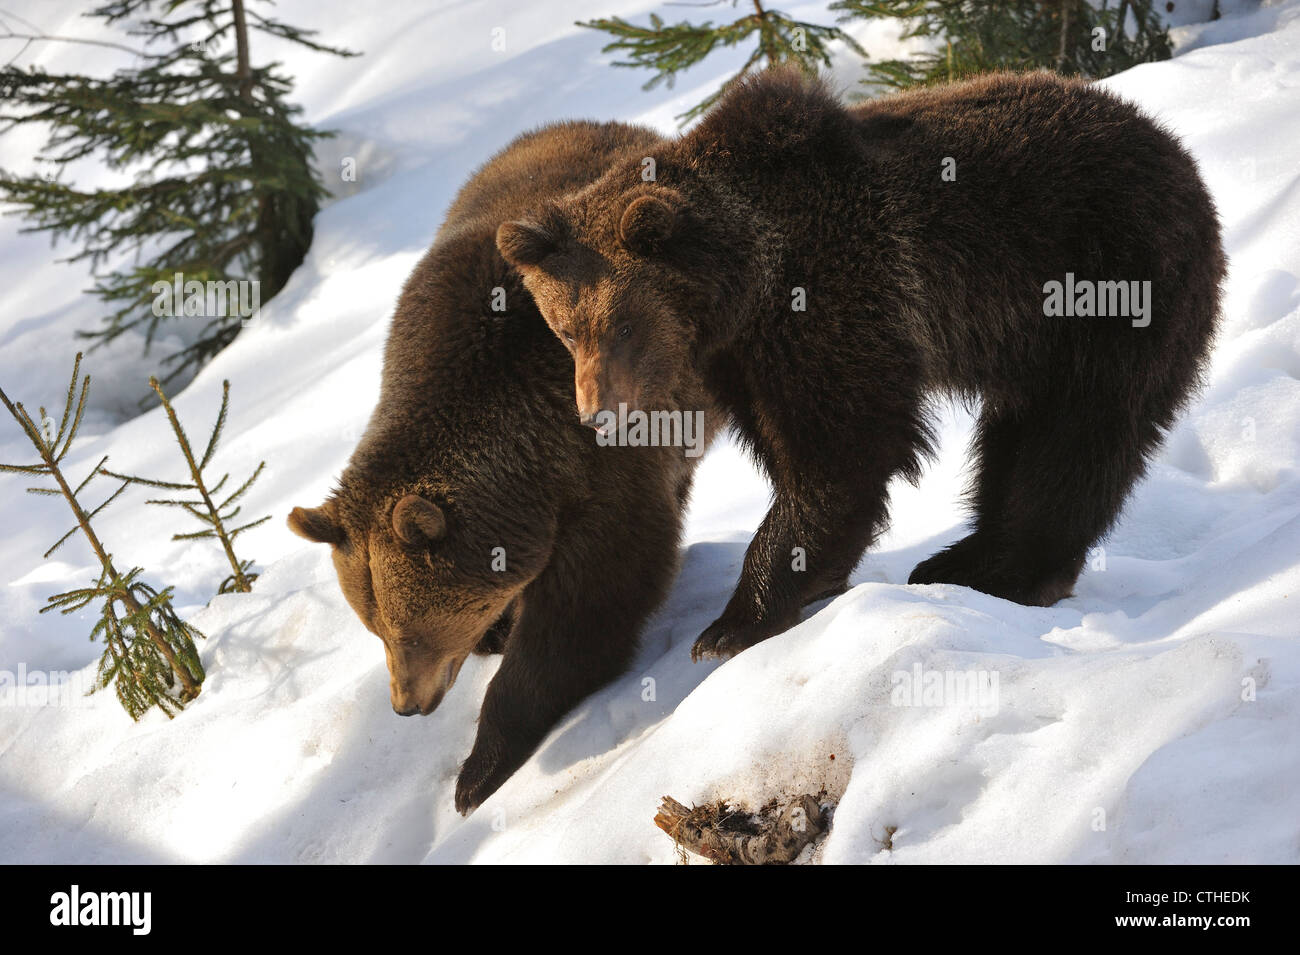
(720, 836)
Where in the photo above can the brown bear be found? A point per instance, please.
(477, 510)
(1033, 244)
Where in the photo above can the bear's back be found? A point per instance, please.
(472, 373)
(540, 165)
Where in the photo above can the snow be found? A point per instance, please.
(1149, 718)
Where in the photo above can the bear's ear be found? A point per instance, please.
(524, 244)
(418, 521)
(315, 524)
(649, 221)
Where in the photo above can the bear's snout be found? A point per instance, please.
(602, 392)
(418, 686)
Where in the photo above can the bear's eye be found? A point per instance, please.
(625, 331)
(568, 336)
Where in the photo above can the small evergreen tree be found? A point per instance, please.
(224, 189)
(1072, 37)
(149, 653)
(216, 516)
(669, 48)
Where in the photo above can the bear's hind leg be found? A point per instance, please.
(1057, 476)
(1075, 467)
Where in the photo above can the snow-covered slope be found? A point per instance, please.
(1147, 719)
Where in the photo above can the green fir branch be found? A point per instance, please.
(149, 657)
(223, 185)
(203, 509)
(670, 48)
(979, 38)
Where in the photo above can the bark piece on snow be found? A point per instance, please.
(727, 836)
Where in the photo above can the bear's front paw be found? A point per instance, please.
(724, 639)
(479, 778)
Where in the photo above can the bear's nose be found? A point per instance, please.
(411, 710)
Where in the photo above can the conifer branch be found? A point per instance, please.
(149, 655)
(670, 48)
(203, 509)
(1015, 35)
(224, 186)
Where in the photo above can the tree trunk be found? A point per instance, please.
(1063, 51)
(243, 68)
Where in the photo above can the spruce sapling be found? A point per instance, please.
(149, 653)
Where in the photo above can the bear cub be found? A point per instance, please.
(478, 514)
(1030, 243)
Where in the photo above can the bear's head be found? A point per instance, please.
(429, 596)
(631, 282)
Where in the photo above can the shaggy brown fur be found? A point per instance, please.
(914, 286)
(477, 505)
